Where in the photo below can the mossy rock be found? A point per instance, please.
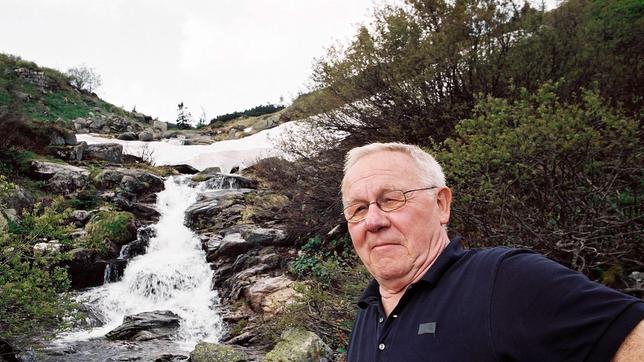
(299, 345)
(116, 226)
(214, 352)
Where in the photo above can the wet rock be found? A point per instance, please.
(146, 326)
(84, 268)
(111, 152)
(214, 352)
(169, 357)
(185, 169)
(219, 209)
(227, 181)
(299, 345)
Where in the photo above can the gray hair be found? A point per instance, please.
(430, 171)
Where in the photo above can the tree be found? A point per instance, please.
(184, 117)
(84, 78)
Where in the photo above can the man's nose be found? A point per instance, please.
(376, 218)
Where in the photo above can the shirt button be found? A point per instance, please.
(380, 320)
(395, 316)
(381, 346)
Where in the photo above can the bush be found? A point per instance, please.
(563, 179)
(33, 289)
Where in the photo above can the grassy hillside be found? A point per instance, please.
(44, 94)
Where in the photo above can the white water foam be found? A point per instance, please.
(172, 275)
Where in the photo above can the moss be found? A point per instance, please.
(110, 225)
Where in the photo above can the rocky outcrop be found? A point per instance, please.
(69, 153)
(61, 178)
(18, 199)
(136, 181)
(229, 181)
(146, 326)
(111, 152)
(37, 78)
(185, 169)
(216, 209)
(61, 137)
(100, 123)
(128, 136)
(298, 345)
(214, 352)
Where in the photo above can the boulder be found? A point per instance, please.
(84, 268)
(214, 352)
(128, 136)
(97, 123)
(219, 209)
(258, 293)
(162, 126)
(146, 326)
(146, 136)
(298, 345)
(185, 169)
(61, 178)
(69, 153)
(80, 217)
(51, 247)
(138, 181)
(111, 152)
(61, 137)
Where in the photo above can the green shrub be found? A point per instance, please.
(33, 289)
(560, 178)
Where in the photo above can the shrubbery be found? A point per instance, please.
(564, 179)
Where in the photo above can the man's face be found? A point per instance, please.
(394, 246)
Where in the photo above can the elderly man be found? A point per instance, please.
(430, 300)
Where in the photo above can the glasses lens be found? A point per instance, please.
(356, 212)
(392, 200)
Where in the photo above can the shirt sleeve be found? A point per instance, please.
(543, 311)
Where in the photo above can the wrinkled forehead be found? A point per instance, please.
(381, 170)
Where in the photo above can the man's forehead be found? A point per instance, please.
(380, 171)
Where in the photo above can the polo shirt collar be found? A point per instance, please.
(453, 251)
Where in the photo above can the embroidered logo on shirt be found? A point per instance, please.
(427, 328)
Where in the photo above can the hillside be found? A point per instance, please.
(46, 95)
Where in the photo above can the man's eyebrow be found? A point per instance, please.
(381, 190)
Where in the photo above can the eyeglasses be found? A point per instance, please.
(387, 202)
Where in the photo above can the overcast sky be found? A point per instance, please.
(216, 56)
(222, 55)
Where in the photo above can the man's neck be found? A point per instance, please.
(390, 294)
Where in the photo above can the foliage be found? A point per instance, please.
(565, 179)
(84, 78)
(33, 289)
(20, 134)
(110, 225)
(252, 112)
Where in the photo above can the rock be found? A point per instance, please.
(61, 178)
(227, 181)
(146, 326)
(146, 136)
(206, 174)
(128, 136)
(8, 352)
(84, 268)
(299, 345)
(214, 352)
(61, 137)
(111, 152)
(18, 199)
(169, 357)
(233, 245)
(219, 209)
(69, 153)
(80, 217)
(52, 247)
(185, 169)
(262, 288)
(162, 126)
(138, 181)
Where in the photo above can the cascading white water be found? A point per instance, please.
(172, 275)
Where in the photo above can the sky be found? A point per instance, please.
(216, 56)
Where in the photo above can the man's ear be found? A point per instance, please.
(444, 201)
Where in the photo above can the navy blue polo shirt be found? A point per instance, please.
(497, 304)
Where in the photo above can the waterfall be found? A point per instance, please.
(172, 275)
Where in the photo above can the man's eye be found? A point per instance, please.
(360, 208)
